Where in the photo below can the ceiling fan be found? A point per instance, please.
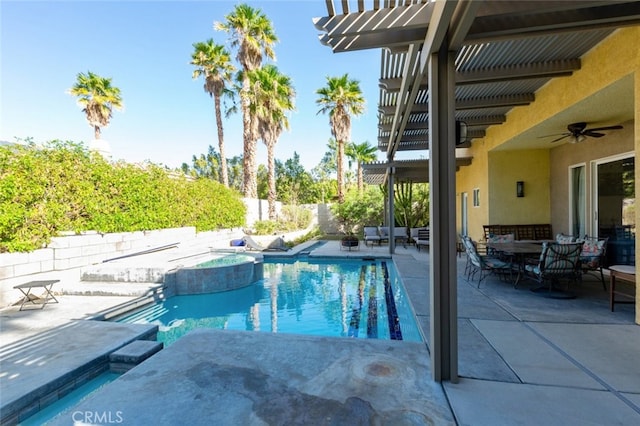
(578, 132)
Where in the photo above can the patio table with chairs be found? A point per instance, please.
(517, 252)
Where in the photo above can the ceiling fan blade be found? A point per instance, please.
(592, 134)
(555, 134)
(604, 128)
(561, 137)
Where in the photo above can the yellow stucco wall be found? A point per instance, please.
(467, 179)
(508, 167)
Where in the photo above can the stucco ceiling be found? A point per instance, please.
(611, 106)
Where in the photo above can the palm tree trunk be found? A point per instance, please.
(340, 171)
(360, 178)
(271, 179)
(96, 132)
(249, 155)
(223, 158)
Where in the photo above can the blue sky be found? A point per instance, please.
(145, 47)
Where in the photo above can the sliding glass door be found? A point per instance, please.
(614, 215)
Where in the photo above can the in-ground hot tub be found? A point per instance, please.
(222, 273)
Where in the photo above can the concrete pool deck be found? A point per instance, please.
(523, 359)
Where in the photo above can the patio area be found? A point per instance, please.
(523, 359)
(527, 359)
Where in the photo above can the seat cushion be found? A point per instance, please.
(592, 248)
(565, 239)
(423, 234)
(504, 238)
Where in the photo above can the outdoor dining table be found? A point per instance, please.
(517, 252)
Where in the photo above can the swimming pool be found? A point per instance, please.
(62, 408)
(357, 298)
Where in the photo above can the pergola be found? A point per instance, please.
(444, 62)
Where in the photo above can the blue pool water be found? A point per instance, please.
(230, 259)
(354, 298)
(63, 408)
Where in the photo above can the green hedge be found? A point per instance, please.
(359, 210)
(64, 187)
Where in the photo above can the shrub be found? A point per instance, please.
(299, 217)
(359, 209)
(266, 227)
(64, 187)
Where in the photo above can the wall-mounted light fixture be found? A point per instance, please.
(461, 132)
(520, 188)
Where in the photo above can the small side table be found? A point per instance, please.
(26, 291)
(625, 273)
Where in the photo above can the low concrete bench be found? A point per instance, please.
(30, 299)
(128, 356)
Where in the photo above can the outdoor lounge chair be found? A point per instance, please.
(413, 234)
(276, 244)
(423, 238)
(400, 235)
(371, 235)
(383, 231)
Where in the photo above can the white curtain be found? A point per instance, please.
(579, 207)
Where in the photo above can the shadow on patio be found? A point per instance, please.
(527, 359)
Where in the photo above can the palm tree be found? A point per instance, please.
(340, 98)
(271, 98)
(98, 98)
(361, 153)
(253, 35)
(214, 63)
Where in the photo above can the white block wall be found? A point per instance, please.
(75, 251)
(89, 248)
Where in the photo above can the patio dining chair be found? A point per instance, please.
(593, 256)
(499, 238)
(557, 261)
(482, 264)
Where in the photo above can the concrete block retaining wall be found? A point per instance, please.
(90, 248)
(321, 213)
(72, 252)
(258, 210)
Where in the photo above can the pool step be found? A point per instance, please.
(108, 288)
(125, 272)
(127, 357)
